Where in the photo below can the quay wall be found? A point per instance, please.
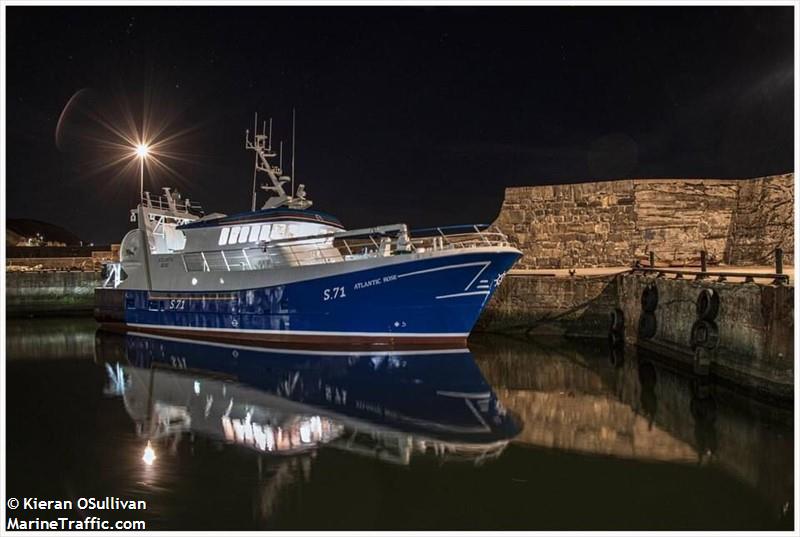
(611, 223)
(50, 292)
(546, 305)
(753, 344)
(754, 323)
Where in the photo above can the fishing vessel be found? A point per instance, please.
(288, 273)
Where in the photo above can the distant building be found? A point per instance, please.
(33, 245)
(26, 232)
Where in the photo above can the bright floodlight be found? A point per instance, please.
(142, 150)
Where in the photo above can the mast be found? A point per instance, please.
(261, 144)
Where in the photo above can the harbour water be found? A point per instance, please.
(546, 435)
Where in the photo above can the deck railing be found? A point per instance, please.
(334, 248)
(778, 277)
(327, 248)
(157, 201)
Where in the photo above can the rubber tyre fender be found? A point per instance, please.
(707, 305)
(704, 334)
(650, 298)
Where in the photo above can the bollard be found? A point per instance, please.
(779, 266)
(652, 259)
(703, 266)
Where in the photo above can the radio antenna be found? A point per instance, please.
(293, 146)
(255, 168)
(280, 157)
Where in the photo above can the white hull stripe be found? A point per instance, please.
(464, 294)
(448, 267)
(478, 274)
(298, 351)
(301, 332)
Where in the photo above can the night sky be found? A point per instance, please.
(417, 115)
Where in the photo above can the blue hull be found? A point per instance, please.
(426, 300)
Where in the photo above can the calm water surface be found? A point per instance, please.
(506, 435)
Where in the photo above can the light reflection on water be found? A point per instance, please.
(512, 435)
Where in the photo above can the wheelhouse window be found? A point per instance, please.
(254, 230)
(264, 235)
(244, 234)
(223, 236)
(234, 236)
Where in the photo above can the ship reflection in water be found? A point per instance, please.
(388, 405)
(550, 434)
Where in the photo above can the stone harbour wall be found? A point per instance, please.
(753, 325)
(611, 223)
(50, 292)
(545, 305)
(763, 220)
(754, 328)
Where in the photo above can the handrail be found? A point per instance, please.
(381, 231)
(354, 233)
(778, 276)
(457, 226)
(333, 248)
(158, 201)
(721, 275)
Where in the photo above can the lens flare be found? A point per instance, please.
(104, 136)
